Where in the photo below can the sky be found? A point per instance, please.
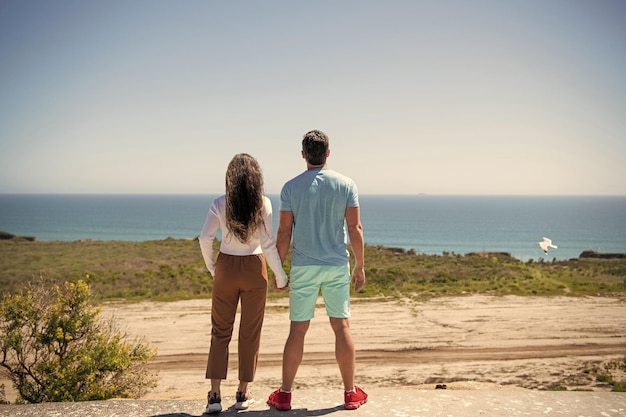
(442, 97)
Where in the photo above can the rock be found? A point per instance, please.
(589, 253)
(9, 236)
(6, 236)
(504, 255)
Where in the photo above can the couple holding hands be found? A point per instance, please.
(315, 208)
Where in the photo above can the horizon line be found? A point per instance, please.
(278, 193)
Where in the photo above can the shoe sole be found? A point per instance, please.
(354, 405)
(280, 406)
(243, 405)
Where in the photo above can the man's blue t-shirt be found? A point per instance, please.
(318, 199)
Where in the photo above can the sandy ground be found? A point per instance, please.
(470, 342)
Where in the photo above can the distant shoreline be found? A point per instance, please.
(588, 253)
(278, 193)
(428, 224)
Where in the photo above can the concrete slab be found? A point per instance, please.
(382, 402)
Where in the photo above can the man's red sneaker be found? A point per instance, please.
(280, 400)
(354, 399)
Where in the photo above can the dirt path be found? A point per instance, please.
(472, 341)
(467, 342)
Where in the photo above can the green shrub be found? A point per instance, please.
(56, 348)
(606, 375)
(173, 269)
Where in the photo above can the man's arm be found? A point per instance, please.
(283, 236)
(355, 231)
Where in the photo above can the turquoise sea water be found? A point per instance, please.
(428, 224)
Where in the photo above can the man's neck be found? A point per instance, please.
(309, 166)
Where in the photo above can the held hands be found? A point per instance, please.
(358, 277)
(283, 288)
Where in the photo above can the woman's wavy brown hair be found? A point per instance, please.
(244, 196)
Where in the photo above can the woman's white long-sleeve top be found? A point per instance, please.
(262, 241)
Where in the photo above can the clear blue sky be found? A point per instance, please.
(438, 97)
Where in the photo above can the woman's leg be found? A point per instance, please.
(253, 297)
(225, 299)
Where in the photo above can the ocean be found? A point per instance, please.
(428, 224)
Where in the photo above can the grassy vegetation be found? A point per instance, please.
(606, 373)
(391, 272)
(173, 269)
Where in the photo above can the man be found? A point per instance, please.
(315, 207)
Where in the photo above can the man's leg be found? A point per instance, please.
(344, 351)
(294, 349)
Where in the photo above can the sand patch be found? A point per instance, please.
(470, 342)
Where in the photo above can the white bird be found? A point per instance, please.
(547, 243)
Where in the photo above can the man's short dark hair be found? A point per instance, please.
(315, 147)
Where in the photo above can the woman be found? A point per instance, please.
(244, 216)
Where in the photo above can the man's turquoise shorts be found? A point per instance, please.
(305, 284)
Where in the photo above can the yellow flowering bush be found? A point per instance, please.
(55, 347)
